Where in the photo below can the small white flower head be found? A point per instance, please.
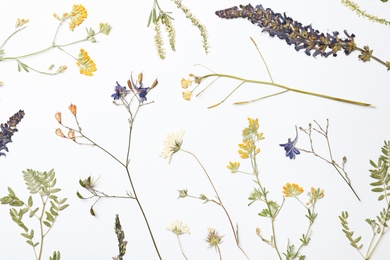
(178, 228)
(172, 144)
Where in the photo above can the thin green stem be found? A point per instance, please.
(284, 87)
(9, 37)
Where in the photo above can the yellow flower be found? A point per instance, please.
(314, 195)
(247, 147)
(185, 83)
(187, 95)
(292, 190)
(85, 63)
(233, 166)
(77, 16)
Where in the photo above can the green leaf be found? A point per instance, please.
(47, 224)
(63, 207)
(30, 202)
(79, 195)
(49, 217)
(377, 190)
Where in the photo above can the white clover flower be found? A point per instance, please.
(172, 144)
(177, 227)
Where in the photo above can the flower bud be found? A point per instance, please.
(58, 117)
(59, 133)
(140, 76)
(73, 109)
(71, 134)
(154, 84)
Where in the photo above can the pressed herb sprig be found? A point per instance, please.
(302, 37)
(379, 225)
(160, 18)
(43, 186)
(74, 18)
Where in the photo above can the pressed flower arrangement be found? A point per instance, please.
(271, 177)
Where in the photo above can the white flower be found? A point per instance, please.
(177, 227)
(172, 144)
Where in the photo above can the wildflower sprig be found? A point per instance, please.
(324, 132)
(8, 129)
(179, 228)
(355, 8)
(248, 150)
(74, 18)
(131, 99)
(302, 37)
(173, 144)
(194, 79)
(214, 239)
(41, 185)
(381, 185)
(161, 18)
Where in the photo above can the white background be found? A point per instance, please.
(212, 134)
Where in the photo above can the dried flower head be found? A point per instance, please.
(21, 22)
(77, 16)
(172, 144)
(290, 148)
(213, 238)
(292, 190)
(314, 195)
(178, 228)
(85, 63)
(121, 238)
(8, 129)
(233, 166)
(293, 32)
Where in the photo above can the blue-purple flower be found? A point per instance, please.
(290, 148)
(119, 91)
(8, 129)
(141, 91)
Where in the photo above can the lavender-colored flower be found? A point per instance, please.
(294, 33)
(290, 148)
(8, 129)
(119, 91)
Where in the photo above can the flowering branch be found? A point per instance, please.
(303, 37)
(74, 18)
(137, 93)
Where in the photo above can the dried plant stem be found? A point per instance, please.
(243, 80)
(331, 161)
(235, 233)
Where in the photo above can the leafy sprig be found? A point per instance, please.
(381, 175)
(41, 184)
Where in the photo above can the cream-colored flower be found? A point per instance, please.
(178, 228)
(172, 144)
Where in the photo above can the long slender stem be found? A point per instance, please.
(181, 248)
(220, 201)
(285, 87)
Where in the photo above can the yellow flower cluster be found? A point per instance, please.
(77, 16)
(86, 64)
(250, 135)
(292, 190)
